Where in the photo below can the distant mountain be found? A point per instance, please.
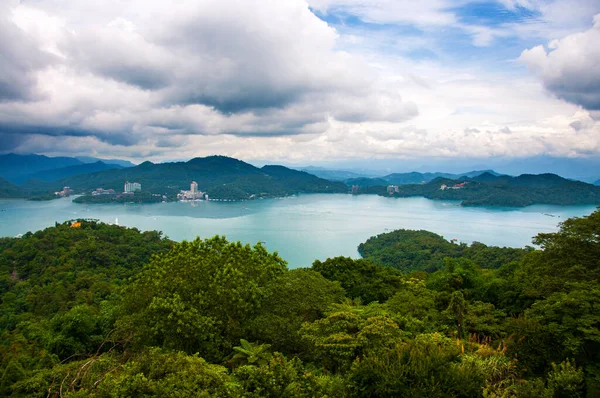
(366, 182)
(64, 172)
(118, 162)
(18, 168)
(488, 190)
(303, 181)
(9, 190)
(333, 175)
(546, 180)
(597, 182)
(414, 178)
(221, 177)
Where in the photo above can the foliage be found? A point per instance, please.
(297, 296)
(107, 311)
(506, 191)
(251, 353)
(201, 296)
(360, 278)
(409, 250)
(137, 197)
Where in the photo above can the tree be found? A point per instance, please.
(297, 296)
(361, 278)
(201, 296)
(458, 307)
(251, 353)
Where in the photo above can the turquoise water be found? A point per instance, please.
(302, 228)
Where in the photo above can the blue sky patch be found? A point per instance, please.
(493, 14)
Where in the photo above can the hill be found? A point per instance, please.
(506, 191)
(118, 162)
(415, 178)
(219, 176)
(332, 175)
(365, 182)
(18, 168)
(64, 172)
(9, 190)
(426, 251)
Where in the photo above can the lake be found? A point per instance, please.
(302, 228)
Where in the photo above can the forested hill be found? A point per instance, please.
(93, 310)
(64, 172)
(219, 176)
(9, 190)
(490, 190)
(409, 251)
(18, 168)
(414, 178)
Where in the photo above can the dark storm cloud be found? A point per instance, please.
(572, 89)
(10, 141)
(130, 73)
(20, 57)
(18, 133)
(569, 68)
(237, 99)
(146, 79)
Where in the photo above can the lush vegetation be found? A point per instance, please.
(490, 190)
(95, 310)
(425, 251)
(137, 197)
(9, 190)
(219, 176)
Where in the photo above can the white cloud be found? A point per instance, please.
(269, 80)
(199, 67)
(569, 66)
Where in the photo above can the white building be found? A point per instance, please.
(131, 187)
(192, 194)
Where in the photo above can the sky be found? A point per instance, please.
(300, 81)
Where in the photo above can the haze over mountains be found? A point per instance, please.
(20, 168)
(413, 178)
(584, 169)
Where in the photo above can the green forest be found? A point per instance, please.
(89, 309)
(489, 190)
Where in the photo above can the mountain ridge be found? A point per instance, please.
(219, 176)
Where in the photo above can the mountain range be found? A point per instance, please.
(496, 190)
(219, 176)
(18, 169)
(231, 179)
(412, 178)
(334, 175)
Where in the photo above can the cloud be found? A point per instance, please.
(127, 72)
(20, 58)
(273, 79)
(568, 67)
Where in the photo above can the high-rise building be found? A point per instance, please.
(132, 187)
(194, 187)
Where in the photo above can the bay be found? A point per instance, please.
(302, 228)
